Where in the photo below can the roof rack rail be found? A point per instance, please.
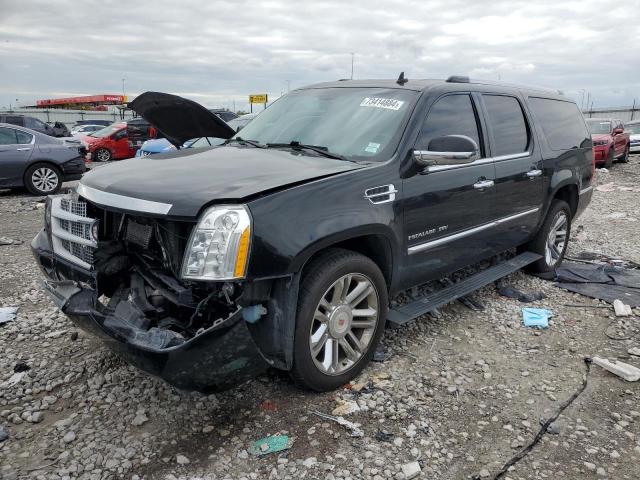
(458, 79)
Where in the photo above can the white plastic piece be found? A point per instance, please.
(621, 309)
(411, 470)
(635, 351)
(623, 370)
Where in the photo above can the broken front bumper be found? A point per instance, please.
(219, 358)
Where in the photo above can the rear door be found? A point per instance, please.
(518, 163)
(447, 211)
(16, 148)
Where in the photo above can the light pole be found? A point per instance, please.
(352, 57)
(123, 80)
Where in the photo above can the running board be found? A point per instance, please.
(407, 312)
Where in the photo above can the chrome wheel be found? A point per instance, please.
(103, 155)
(344, 324)
(45, 179)
(556, 239)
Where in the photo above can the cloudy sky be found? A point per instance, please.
(216, 52)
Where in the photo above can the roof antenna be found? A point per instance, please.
(401, 80)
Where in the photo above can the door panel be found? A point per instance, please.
(14, 156)
(443, 206)
(519, 171)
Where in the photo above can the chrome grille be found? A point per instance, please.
(71, 230)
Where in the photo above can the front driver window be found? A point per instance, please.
(450, 115)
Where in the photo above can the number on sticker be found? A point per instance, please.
(377, 102)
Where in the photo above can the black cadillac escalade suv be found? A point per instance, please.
(284, 246)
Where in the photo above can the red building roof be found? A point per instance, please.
(105, 99)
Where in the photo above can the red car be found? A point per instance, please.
(610, 141)
(118, 141)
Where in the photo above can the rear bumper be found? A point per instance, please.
(219, 358)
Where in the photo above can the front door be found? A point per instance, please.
(447, 210)
(16, 148)
(519, 170)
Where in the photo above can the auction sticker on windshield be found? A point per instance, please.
(377, 102)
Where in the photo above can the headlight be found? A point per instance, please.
(599, 142)
(218, 248)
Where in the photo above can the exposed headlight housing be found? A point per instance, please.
(218, 248)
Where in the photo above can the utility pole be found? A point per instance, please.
(352, 57)
(123, 80)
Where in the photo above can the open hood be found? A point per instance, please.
(179, 119)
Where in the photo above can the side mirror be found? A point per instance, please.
(448, 150)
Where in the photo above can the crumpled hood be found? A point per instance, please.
(228, 173)
(179, 119)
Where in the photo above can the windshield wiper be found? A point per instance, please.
(324, 151)
(242, 141)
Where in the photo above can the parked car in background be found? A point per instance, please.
(633, 128)
(85, 129)
(31, 123)
(610, 141)
(119, 140)
(104, 123)
(283, 247)
(60, 129)
(240, 122)
(225, 115)
(37, 161)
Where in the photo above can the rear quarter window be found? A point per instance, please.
(561, 122)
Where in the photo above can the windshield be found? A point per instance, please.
(361, 123)
(599, 126)
(633, 129)
(105, 132)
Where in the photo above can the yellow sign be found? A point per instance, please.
(258, 98)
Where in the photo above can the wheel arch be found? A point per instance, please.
(44, 162)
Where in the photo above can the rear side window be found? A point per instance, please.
(508, 125)
(12, 119)
(450, 115)
(7, 136)
(23, 137)
(561, 122)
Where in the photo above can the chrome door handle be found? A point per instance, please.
(23, 149)
(534, 173)
(483, 184)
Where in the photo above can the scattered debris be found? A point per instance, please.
(602, 170)
(353, 427)
(536, 317)
(380, 355)
(73, 336)
(271, 444)
(606, 187)
(384, 436)
(621, 309)
(345, 407)
(8, 314)
(14, 379)
(139, 419)
(512, 292)
(9, 241)
(21, 367)
(182, 460)
(3, 433)
(635, 351)
(623, 370)
(411, 470)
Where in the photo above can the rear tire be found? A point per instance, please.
(333, 343)
(43, 179)
(610, 158)
(552, 238)
(103, 155)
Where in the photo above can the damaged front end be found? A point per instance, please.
(117, 275)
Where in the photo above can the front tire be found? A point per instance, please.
(552, 238)
(43, 179)
(610, 157)
(342, 307)
(103, 155)
(625, 156)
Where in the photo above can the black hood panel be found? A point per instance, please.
(179, 119)
(228, 173)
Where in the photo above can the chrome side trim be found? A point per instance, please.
(586, 190)
(122, 201)
(501, 158)
(466, 233)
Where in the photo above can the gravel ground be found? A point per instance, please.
(461, 393)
